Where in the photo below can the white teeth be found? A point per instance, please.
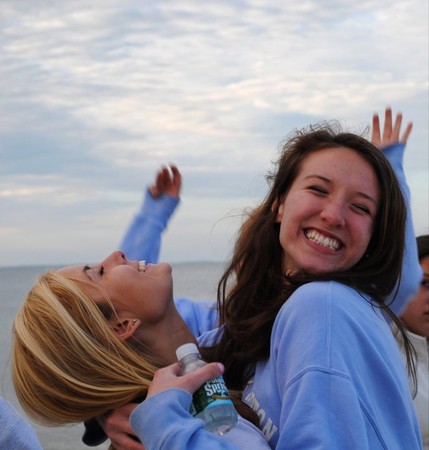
(314, 236)
(142, 266)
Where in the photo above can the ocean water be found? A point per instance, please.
(197, 281)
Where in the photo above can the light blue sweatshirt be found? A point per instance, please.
(335, 378)
(15, 432)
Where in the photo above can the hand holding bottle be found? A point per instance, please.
(211, 402)
(170, 378)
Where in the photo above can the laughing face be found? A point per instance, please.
(327, 217)
(135, 289)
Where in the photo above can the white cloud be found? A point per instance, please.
(97, 97)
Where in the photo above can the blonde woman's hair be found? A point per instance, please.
(68, 364)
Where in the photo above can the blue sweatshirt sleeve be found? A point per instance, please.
(163, 422)
(411, 271)
(142, 240)
(200, 316)
(15, 432)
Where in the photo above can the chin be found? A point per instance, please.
(322, 269)
(166, 267)
(316, 266)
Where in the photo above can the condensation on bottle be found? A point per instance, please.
(211, 402)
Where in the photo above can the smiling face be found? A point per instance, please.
(136, 291)
(327, 217)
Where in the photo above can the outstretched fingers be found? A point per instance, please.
(391, 130)
(407, 132)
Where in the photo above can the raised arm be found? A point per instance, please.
(392, 142)
(142, 240)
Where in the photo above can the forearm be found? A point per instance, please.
(163, 422)
(411, 271)
(142, 241)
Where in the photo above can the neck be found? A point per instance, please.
(165, 336)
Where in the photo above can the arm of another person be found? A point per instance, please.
(15, 432)
(142, 240)
(163, 420)
(392, 143)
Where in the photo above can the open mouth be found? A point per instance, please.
(324, 241)
(142, 266)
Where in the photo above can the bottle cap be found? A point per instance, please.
(186, 349)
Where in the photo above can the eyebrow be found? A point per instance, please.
(362, 194)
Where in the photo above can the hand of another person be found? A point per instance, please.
(169, 378)
(168, 181)
(391, 132)
(118, 429)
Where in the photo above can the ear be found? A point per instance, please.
(279, 208)
(125, 328)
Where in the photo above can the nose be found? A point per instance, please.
(333, 214)
(114, 259)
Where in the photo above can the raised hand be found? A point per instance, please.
(168, 181)
(391, 132)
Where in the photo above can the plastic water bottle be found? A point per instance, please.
(211, 402)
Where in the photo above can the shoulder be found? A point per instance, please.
(318, 307)
(316, 297)
(200, 316)
(321, 288)
(210, 338)
(319, 324)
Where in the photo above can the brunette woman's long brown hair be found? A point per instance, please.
(254, 287)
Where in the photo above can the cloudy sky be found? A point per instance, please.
(96, 95)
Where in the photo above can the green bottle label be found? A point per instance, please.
(212, 393)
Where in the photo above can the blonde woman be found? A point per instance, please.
(89, 339)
